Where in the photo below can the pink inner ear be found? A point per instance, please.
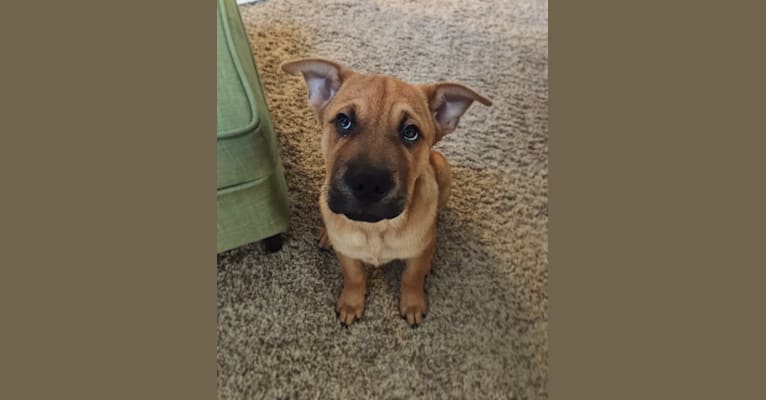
(320, 88)
(450, 111)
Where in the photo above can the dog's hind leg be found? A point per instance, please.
(443, 176)
(324, 240)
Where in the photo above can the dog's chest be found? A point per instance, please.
(378, 247)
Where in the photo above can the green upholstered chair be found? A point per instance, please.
(252, 194)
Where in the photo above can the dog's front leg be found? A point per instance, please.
(351, 301)
(412, 304)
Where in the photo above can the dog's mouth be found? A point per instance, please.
(357, 211)
(364, 217)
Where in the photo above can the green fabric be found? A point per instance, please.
(245, 142)
(252, 194)
(251, 212)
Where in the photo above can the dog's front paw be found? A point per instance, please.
(350, 305)
(413, 305)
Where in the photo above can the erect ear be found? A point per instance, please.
(323, 78)
(448, 101)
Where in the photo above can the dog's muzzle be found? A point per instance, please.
(365, 194)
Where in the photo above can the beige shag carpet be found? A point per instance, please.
(485, 336)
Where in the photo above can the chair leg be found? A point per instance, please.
(273, 243)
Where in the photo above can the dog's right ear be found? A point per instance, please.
(323, 78)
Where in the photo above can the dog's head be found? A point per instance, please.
(377, 132)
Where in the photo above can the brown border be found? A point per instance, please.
(109, 200)
(108, 285)
(656, 200)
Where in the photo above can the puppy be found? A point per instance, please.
(383, 182)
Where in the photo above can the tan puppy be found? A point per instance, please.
(383, 184)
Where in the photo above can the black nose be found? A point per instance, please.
(369, 184)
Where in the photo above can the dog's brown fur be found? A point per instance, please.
(381, 105)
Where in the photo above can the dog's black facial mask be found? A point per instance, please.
(365, 193)
(340, 203)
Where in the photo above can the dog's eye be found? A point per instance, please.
(343, 123)
(410, 133)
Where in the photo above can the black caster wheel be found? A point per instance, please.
(273, 243)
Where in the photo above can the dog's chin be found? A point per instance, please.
(372, 214)
(367, 217)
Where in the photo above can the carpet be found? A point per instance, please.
(485, 335)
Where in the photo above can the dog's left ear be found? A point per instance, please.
(448, 101)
